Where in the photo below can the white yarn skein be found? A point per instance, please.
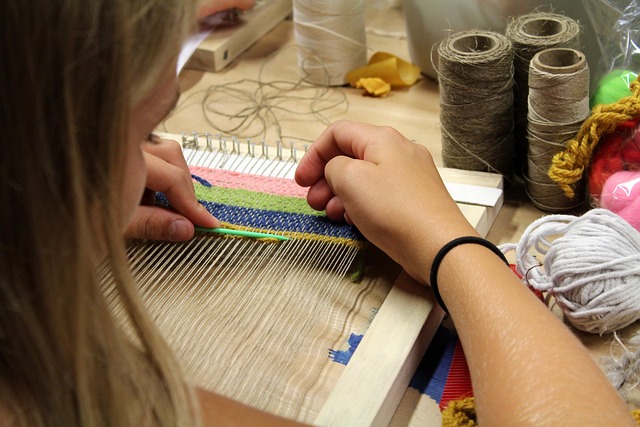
(331, 39)
(592, 269)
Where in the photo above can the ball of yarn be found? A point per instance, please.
(621, 195)
(591, 267)
(617, 151)
(613, 87)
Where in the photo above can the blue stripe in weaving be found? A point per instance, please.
(275, 220)
(201, 180)
(281, 221)
(432, 373)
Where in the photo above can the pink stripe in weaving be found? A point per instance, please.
(260, 184)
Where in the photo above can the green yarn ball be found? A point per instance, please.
(612, 87)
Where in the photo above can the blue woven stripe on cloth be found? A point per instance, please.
(281, 221)
(276, 220)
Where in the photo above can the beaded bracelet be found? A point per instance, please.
(445, 249)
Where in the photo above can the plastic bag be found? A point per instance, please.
(614, 173)
(619, 44)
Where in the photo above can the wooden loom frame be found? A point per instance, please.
(365, 394)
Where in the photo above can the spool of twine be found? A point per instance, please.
(331, 39)
(475, 73)
(558, 104)
(529, 35)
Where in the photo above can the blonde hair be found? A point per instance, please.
(72, 70)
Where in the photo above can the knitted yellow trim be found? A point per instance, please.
(462, 413)
(568, 166)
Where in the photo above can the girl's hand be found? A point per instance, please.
(388, 187)
(209, 7)
(167, 171)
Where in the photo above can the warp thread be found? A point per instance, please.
(475, 71)
(592, 269)
(331, 39)
(530, 34)
(231, 307)
(558, 105)
(568, 166)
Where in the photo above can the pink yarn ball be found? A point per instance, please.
(621, 195)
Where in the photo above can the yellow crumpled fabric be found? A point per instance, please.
(373, 86)
(383, 72)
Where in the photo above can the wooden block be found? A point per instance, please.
(481, 217)
(224, 44)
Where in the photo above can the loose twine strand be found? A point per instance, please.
(475, 71)
(330, 40)
(530, 34)
(250, 108)
(623, 370)
(558, 105)
(592, 270)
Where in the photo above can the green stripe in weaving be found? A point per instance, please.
(251, 199)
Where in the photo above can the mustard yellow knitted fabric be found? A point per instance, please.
(568, 166)
(462, 413)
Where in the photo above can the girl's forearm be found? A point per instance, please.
(526, 366)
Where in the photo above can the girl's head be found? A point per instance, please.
(83, 82)
(84, 78)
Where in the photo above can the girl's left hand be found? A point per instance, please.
(209, 7)
(167, 171)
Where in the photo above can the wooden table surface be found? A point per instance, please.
(414, 111)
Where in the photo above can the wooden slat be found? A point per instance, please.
(374, 381)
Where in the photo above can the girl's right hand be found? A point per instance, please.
(388, 187)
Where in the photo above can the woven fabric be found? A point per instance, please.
(265, 204)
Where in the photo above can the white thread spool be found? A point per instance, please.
(331, 39)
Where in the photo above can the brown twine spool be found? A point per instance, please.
(475, 73)
(558, 104)
(530, 34)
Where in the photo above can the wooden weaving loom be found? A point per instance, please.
(187, 285)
